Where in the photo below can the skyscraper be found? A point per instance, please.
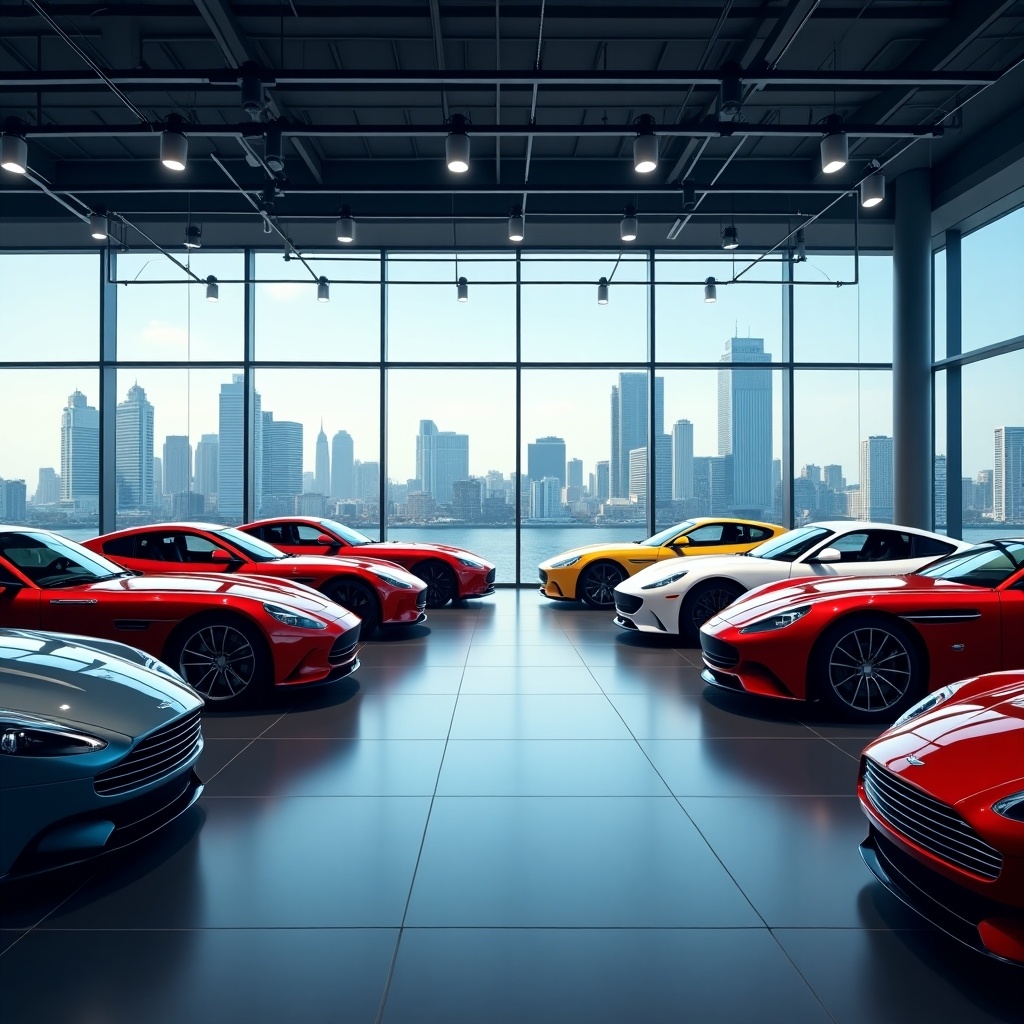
(12, 501)
(282, 456)
(177, 464)
(230, 454)
(940, 490)
(367, 476)
(745, 423)
(662, 470)
(603, 476)
(682, 461)
(342, 459)
(48, 487)
(574, 480)
(442, 457)
(323, 463)
(207, 457)
(134, 450)
(80, 452)
(874, 500)
(630, 424)
(545, 498)
(1008, 478)
(546, 457)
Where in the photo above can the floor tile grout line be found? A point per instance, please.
(28, 931)
(803, 977)
(250, 741)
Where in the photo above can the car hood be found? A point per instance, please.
(706, 565)
(594, 549)
(971, 746)
(427, 549)
(331, 564)
(73, 681)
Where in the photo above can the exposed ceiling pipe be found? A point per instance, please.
(533, 108)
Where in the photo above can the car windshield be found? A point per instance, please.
(986, 565)
(353, 537)
(788, 547)
(55, 562)
(665, 536)
(257, 550)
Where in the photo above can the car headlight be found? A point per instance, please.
(1011, 806)
(471, 562)
(564, 563)
(26, 738)
(391, 580)
(290, 618)
(664, 582)
(933, 700)
(779, 621)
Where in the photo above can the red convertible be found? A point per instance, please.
(944, 793)
(869, 647)
(231, 639)
(379, 592)
(450, 574)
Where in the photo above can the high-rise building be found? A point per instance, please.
(638, 476)
(811, 472)
(1008, 476)
(682, 461)
(230, 460)
(615, 484)
(745, 422)
(467, 499)
(12, 501)
(546, 498)
(177, 464)
(546, 457)
(367, 481)
(282, 457)
(80, 452)
(207, 457)
(48, 487)
(574, 480)
(134, 450)
(874, 498)
(158, 478)
(983, 487)
(442, 457)
(631, 423)
(322, 483)
(603, 478)
(721, 481)
(940, 490)
(834, 481)
(342, 460)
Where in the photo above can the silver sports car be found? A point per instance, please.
(98, 743)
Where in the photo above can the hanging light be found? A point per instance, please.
(645, 145)
(710, 290)
(323, 290)
(730, 94)
(98, 226)
(730, 237)
(212, 289)
(516, 225)
(345, 228)
(628, 225)
(872, 188)
(602, 292)
(273, 149)
(13, 153)
(456, 145)
(173, 145)
(193, 237)
(835, 147)
(800, 250)
(689, 196)
(462, 290)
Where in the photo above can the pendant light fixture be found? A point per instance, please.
(193, 237)
(456, 145)
(710, 290)
(99, 228)
(730, 237)
(872, 188)
(345, 229)
(174, 145)
(628, 225)
(602, 292)
(323, 290)
(13, 153)
(645, 145)
(462, 290)
(516, 225)
(212, 289)
(835, 148)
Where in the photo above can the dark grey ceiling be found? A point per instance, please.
(362, 92)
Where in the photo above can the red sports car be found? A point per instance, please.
(449, 573)
(379, 592)
(231, 639)
(869, 647)
(944, 793)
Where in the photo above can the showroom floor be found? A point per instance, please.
(514, 813)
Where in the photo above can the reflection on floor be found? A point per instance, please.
(513, 813)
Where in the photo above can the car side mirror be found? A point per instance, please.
(828, 555)
(222, 557)
(679, 543)
(326, 541)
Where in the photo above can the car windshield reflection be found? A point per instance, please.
(54, 562)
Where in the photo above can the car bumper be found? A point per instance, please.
(641, 619)
(728, 666)
(406, 609)
(477, 584)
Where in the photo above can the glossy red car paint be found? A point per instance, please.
(936, 791)
(379, 592)
(450, 573)
(946, 629)
(49, 583)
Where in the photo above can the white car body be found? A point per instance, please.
(672, 594)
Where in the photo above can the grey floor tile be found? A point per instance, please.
(605, 655)
(527, 656)
(426, 655)
(374, 716)
(250, 724)
(653, 678)
(403, 679)
(216, 754)
(535, 716)
(8, 937)
(527, 679)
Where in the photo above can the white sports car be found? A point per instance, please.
(673, 597)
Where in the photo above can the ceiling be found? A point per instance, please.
(363, 93)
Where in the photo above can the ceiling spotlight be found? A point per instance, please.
(456, 145)
(645, 145)
(212, 289)
(689, 196)
(516, 225)
(628, 225)
(602, 292)
(345, 229)
(872, 188)
(273, 151)
(98, 226)
(13, 153)
(252, 91)
(323, 290)
(193, 237)
(835, 147)
(730, 94)
(800, 249)
(462, 290)
(730, 237)
(173, 145)
(710, 290)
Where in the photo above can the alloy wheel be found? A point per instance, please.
(218, 661)
(870, 669)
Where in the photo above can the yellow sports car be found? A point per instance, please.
(591, 573)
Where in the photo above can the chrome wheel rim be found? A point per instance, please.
(440, 584)
(600, 583)
(218, 661)
(709, 603)
(353, 598)
(870, 669)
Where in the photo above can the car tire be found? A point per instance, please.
(359, 599)
(442, 585)
(702, 602)
(597, 583)
(867, 668)
(224, 658)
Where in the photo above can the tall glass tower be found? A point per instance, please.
(230, 463)
(1008, 478)
(342, 460)
(134, 450)
(80, 452)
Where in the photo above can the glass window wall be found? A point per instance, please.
(993, 298)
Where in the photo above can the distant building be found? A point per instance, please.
(80, 452)
(367, 476)
(467, 499)
(940, 490)
(177, 464)
(311, 504)
(134, 450)
(546, 457)
(631, 424)
(13, 501)
(207, 458)
(603, 476)
(876, 479)
(745, 422)
(47, 488)
(342, 461)
(323, 463)
(682, 460)
(230, 451)
(546, 498)
(442, 457)
(574, 480)
(188, 505)
(282, 457)
(1008, 476)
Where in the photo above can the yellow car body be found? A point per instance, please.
(592, 572)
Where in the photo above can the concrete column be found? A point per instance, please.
(913, 459)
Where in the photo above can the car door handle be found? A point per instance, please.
(73, 600)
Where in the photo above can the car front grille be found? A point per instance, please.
(929, 823)
(343, 650)
(155, 757)
(718, 652)
(628, 603)
(543, 576)
(492, 575)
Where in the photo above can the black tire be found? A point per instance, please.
(703, 601)
(597, 582)
(359, 599)
(442, 586)
(224, 658)
(866, 668)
